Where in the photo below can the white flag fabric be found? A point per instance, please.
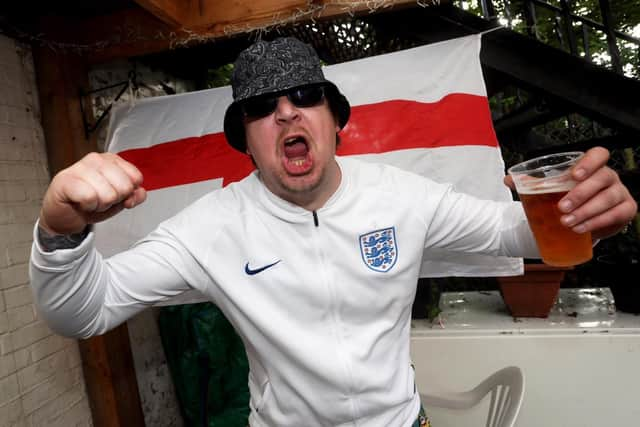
(423, 109)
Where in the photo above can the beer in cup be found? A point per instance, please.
(541, 183)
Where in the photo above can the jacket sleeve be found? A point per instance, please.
(464, 223)
(79, 294)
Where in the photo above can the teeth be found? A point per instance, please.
(298, 162)
(289, 140)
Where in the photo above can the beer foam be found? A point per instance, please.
(546, 187)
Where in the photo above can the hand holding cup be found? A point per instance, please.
(541, 183)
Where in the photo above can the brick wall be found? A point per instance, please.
(41, 382)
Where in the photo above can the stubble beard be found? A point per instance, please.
(308, 185)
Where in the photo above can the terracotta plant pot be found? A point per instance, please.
(534, 293)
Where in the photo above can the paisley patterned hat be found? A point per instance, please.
(276, 66)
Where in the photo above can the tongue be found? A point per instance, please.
(297, 149)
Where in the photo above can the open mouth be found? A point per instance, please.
(296, 150)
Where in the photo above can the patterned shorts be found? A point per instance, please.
(422, 420)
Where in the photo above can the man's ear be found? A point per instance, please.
(336, 123)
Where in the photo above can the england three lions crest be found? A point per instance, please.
(379, 249)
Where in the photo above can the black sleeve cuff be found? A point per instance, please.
(52, 242)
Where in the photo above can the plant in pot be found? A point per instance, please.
(534, 293)
(618, 267)
(426, 304)
(427, 300)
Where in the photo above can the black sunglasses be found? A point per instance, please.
(262, 106)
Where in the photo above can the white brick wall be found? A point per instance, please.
(41, 382)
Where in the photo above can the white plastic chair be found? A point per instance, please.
(507, 390)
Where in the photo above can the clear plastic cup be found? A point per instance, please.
(541, 183)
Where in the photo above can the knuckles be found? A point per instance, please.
(612, 176)
(632, 206)
(93, 159)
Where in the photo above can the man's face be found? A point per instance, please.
(294, 149)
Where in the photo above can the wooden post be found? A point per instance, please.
(106, 360)
(60, 77)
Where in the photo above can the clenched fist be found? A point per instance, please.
(91, 190)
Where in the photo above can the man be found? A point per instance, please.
(314, 259)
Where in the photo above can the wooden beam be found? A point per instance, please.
(217, 15)
(59, 77)
(211, 14)
(110, 377)
(125, 34)
(136, 31)
(218, 18)
(106, 360)
(171, 12)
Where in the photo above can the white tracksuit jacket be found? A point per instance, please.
(324, 309)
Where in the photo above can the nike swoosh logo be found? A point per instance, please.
(251, 271)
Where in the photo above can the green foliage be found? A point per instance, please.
(626, 14)
(432, 312)
(591, 42)
(220, 76)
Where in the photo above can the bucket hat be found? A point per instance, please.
(270, 67)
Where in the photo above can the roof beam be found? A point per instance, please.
(211, 14)
(165, 24)
(124, 34)
(215, 15)
(171, 12)
(222, 17)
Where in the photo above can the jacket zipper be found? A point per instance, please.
(336, 321)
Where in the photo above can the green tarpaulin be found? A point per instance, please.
(208, 365)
